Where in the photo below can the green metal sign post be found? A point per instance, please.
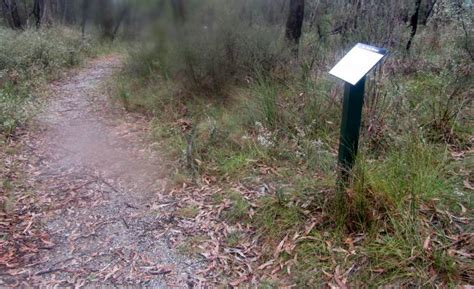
(353, 69)
(350, 126)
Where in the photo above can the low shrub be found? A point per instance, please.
(212, 55)
(29, 58)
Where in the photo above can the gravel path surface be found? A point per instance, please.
(90, 166)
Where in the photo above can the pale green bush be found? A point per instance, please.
(27, 59)
(213, 49)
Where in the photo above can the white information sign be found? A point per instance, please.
(357, 63)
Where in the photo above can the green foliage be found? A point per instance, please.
(263, 116)
(445, 265)
(209, 55)
(412, 171)
(310, 268)
(14, 109)
(436, 100)
(44, 50)
(29, 58)
(263, 107)
(275, 218)
(394, 187)
(238, 211)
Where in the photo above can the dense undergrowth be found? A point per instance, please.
(28, 59)
(232, 105)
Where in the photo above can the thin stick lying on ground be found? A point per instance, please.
(52, 268)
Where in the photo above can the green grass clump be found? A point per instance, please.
(239, 209)
(275, 218)
(408, 176)
(15, 108)
(28, 59)
(388, 203)
(441, 104)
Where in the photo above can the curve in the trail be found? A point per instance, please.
(92, 163)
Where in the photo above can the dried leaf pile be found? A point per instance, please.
(21, 234)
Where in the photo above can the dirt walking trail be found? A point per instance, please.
(96, 178)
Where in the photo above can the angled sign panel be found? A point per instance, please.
(358, 62)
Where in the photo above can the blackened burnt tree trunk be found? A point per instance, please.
(11, 9)
(294, 23)
(430, 6)
(38, 12)
(414, 24)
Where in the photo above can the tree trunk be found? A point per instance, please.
(15, 15)
(294, 23)
(64, 11)
(11, 9)
(414, 24)
(6, 14)
(85, 10)
(122, 16)
(37, 12)
(106, 19)
(71, 7)
(42, 12)
(431, 5)
(178, 11)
